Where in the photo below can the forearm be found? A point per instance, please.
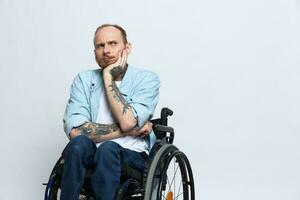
(100, 132)
(119, 106)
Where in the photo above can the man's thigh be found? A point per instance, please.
(134, 159)
(111, 150)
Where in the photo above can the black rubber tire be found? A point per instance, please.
(52, 188)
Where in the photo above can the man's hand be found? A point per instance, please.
(142, 132)
(117, 69)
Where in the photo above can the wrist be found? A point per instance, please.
(107, 75)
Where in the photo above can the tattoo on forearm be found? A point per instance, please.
(93, 130)
(118, 97)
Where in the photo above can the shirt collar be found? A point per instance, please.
(125, 83)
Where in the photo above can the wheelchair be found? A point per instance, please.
(167, 174)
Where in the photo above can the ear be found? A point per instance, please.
(128, 48)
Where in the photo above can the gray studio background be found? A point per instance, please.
(229, 70)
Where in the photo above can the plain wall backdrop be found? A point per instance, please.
(229, 69)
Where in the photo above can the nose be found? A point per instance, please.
(106, 49)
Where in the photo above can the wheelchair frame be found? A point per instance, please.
(154, 181)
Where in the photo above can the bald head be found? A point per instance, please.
(122, 31)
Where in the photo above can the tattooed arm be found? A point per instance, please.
(98, 132)
(119, 107)
(104, 132)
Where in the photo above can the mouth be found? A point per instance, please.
(108, 59)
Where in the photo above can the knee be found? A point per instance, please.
(76, 145)
(108, 147)
(108, 153)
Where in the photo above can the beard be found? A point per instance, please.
(105, 61)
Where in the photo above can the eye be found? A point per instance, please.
(113, 43)
(98, 46)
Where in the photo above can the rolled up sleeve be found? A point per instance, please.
(77, 110)
(145, 98)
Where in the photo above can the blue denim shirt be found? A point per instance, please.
(140, 88)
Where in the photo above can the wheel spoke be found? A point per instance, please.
(170, 184)
(179, 188)
(164, 195)
(178, 196)
(174, 177)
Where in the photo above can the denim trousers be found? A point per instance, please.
(81, 152)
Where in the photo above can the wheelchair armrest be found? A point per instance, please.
(164, 128)
(161, 132)
(161, 128)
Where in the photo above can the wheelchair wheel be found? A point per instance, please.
(53, 190)
(170, 176)
(53, 186)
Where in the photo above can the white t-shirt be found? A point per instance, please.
(105, 117)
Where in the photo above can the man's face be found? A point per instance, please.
(108, 44)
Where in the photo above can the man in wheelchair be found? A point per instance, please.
(113, 152)
(107, 118)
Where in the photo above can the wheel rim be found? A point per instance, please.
(172, 177)
(175, 167)
(174, 184)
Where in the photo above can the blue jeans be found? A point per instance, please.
(81, 152)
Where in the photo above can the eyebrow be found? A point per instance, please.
(109, 42)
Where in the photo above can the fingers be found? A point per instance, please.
(119, 58)
(121, 61)
(147, 128)
(124, 58)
